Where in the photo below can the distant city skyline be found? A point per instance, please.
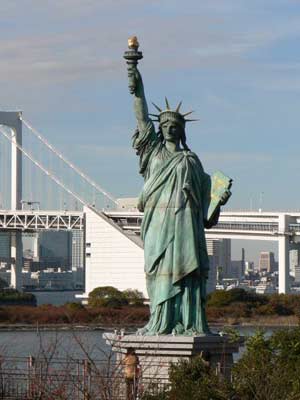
(252, 249)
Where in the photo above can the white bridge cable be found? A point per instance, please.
(69, 163)
(41, 167)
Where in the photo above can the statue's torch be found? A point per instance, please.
(132, 56)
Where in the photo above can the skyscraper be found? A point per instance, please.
(219, 252)
(266, 261)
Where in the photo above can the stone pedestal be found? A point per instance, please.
(157, 352)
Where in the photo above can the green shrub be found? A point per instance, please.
(13, 297)
(270, 367)
(222, 298)
(284, 304)
(193, 380)
(107, 296)
(163, 395)
(134, 297)
(74, 306)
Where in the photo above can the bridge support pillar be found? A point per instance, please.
(17, 254)
(283, 255)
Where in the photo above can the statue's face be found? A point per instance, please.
(171, 131)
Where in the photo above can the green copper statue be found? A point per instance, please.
(176, 199)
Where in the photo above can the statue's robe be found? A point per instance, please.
(175, 199)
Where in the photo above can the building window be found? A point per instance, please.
(88, 254)
(88, 244)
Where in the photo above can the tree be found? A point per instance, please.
(270, 367)
(134, 297)
(222, 298)
(107, 296)
(194, 380)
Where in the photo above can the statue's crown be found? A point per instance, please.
(173, 115)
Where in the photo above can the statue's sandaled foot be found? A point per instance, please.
(178, 330)
(142, 331)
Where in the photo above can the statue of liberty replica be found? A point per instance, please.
(179, 201)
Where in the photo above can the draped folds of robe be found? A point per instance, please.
(175, 199)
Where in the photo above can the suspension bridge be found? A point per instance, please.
(40, 189)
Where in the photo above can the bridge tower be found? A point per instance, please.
(283, 254)
(12, 120)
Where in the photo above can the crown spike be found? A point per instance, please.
(178, 107)
(191, 120)
(167, 104)
(188, 113)
(153, 115)
(158, 109)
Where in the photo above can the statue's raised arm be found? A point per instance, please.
(135, 83)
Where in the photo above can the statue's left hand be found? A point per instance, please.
(225, 197)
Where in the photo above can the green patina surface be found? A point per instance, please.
(175, 199)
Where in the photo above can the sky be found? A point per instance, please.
(236, 63)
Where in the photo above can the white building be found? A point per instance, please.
(249, 267)
(112, 257)
(265, 286)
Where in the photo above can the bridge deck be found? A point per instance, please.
(36, 220)
(234, 223)
(256, 224)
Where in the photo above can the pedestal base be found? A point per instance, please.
(157, 352)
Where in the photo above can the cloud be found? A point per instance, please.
(237, 157)
(40, 54)
(106, 151)
(56, 44)
(42, 60)
(66, 9)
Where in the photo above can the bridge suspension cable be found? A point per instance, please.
(69, 163)
(45, 170)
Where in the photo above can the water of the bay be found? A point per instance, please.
(61, 343)
(72, 343)
(56, 297)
